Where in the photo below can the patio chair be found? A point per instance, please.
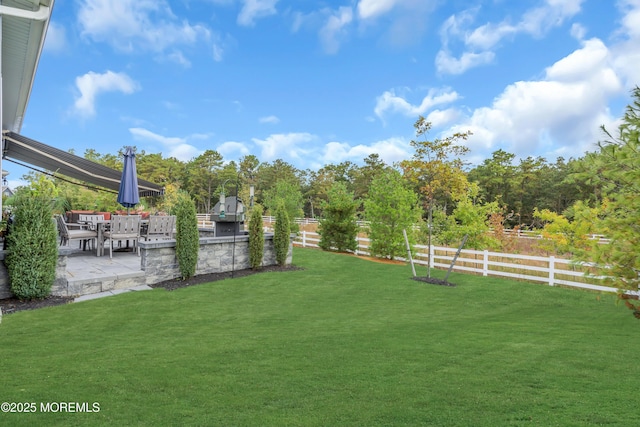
(68, 232)
(90, 220)
(160, 227)
(123, 227)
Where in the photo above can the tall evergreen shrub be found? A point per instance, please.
(187, 237)
(281, 235)
(32, 247)
(256, 238)
(338, 228)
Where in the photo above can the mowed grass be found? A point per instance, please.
(344, 342)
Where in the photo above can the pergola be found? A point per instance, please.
(23, 25)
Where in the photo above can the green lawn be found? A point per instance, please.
(344, 342)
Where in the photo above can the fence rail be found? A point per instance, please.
(517, 233)
(550, 270)
(204, 220)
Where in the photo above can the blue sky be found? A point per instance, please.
(317, 82)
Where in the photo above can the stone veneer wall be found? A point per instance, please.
(158, 261)
(216, 255)
(60, 280)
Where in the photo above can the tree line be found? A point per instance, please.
(436, 172)
(596, 193)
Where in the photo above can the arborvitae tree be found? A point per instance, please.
(32, 247)
(256, 238)
(281, 235)
(187, 237)
(338, 228)
(390, 208)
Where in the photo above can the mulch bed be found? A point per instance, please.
(12, 305)
(433, 281)
(173, 284)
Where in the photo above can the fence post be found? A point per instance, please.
(485, 263)
(304, 239)
(552, 265)
(431, 254)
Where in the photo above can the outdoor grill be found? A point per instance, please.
(228, 220)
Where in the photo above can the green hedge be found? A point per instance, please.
(187, 237)
(281, 235)
(32, 248)
(256, 238)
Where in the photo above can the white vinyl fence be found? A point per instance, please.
(550, 270)
(517, 233)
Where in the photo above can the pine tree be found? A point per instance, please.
(616, 170)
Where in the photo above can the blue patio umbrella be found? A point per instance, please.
(128, 194)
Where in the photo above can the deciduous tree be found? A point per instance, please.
(288, 195)
(390, 208)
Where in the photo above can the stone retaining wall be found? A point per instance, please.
(216, 255)
(158, 262)
(60, 280)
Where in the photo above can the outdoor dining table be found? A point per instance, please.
(101, 227)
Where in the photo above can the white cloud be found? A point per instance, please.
(578, 31)
(178, 57)
(175, 146)
(269, 119)
(580, 63)
(390, 150)
(334, 30)
(332, 26)
(560, 113)
(447, 64)
(404, 21)
(93, 84)
(285, 146)
(488, 35)
(255, 9)
(539, 20)
(200, 136)
(218, 52)
(480, 42)
(627, 51)
(368, 9)
(145, 134)
(56, 40)
(233, 149)
(439, 118)
(221, 45)
(389, 102)
(630, 17)
(137, 25)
